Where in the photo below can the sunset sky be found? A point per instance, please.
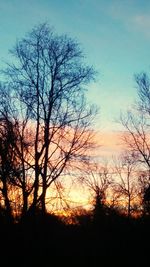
(114, 35)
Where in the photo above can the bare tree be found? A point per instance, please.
(98, 180)
(6, 164)
(47, 82)
(125, 182)
(137, 126)
(143, 83)
(137, 122)
(136, 137)
(144, 191)
(13, 153)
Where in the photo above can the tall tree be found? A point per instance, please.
(137, 126)
(47, 81)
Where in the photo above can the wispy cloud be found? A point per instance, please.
(133, 16)
(141, 22)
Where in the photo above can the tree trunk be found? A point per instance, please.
(25, 204)
(44, 176)
(7, 202)
(43, 204)
(129, 206)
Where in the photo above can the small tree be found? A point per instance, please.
(144, 191)
(98, 179)
(126, 184)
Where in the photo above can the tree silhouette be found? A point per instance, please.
(47, 82)
(98, 180)
(126, 183)
(137, 126)
(147, 200)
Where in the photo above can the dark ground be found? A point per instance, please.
(112, 240)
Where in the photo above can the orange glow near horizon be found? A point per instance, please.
(109, 144)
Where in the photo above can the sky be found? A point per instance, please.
(114, 35)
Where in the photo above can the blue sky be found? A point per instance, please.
(114, 34)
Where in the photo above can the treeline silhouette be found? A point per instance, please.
(105, 240)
